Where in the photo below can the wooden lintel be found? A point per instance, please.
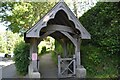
(45, 35)
(58, 28)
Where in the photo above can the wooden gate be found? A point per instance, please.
(66, 67)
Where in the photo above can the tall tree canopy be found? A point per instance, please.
(2, 43)
(23, 15)
(8, 40)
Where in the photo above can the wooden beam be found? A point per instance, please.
(58, 28)
(70, 37)
(45, 35)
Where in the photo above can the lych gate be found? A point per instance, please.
(61, 24)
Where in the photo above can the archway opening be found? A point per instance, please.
(63, 46)
(62, 30)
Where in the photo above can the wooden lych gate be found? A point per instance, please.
(61, 24)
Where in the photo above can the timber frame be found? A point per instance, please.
(61, 24)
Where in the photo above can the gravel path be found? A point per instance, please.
(47, 67)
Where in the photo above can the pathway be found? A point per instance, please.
(47, 67)
(8, 70)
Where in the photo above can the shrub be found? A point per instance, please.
(58, 48)
(43, 51)
(102, 22)
(21, 54)
(97, 63)
(54, 57)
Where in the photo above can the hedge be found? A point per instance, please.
(100, 54)
(21, 57)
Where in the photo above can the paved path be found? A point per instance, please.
(8, 70)
(47, 67)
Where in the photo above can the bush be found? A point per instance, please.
(21, 55)
(97, 63)
(43, 51)
(58, 48)
(102, 22)
(57, 51)
(54, 57)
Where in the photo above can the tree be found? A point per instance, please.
(11, 40)
(24, 14)
(7, 41)
(75, 8)
(2, 43)
(81, 6)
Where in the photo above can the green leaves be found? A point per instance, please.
(7, 41)
(25, 14)
(102, 21)
(21, 54)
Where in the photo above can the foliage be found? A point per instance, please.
(7, 41)
(21, 57)
(47, 42)
(97, 64)
(58, 48)
(2, 43)
(70, 49)
(43, 51)
(59, 51)
(102, 21)
(54, 57)
(24, 14)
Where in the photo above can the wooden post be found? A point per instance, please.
(80, 70)
(33, 54)
(59, 68)
(77, 52)
(74, 65)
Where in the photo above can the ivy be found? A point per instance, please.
(102, 22)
